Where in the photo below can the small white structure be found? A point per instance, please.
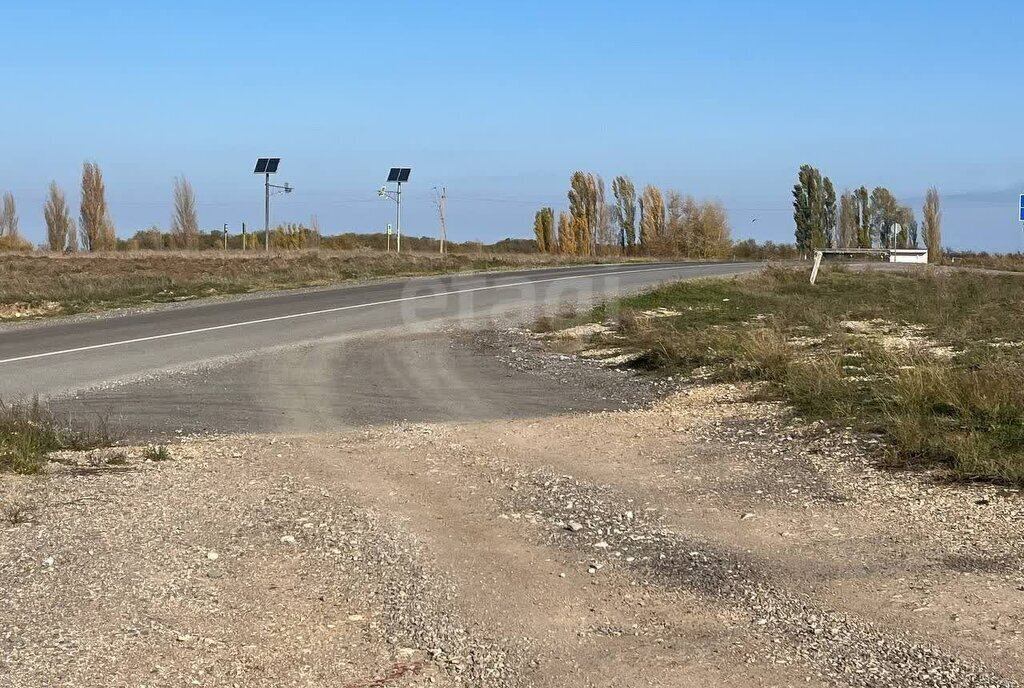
(908, 255)
(892, 255)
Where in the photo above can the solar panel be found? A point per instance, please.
(393, 174)
(403, 174)
(261, 166)
(272, 164)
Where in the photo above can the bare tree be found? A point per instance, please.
(97, 230)
(185, 220)
(679, 230)
(932, 212)
(60, 227)
(9, 217)
(314, 227)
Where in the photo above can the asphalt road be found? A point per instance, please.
(179, 365)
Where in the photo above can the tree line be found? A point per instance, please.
(94, 230)
(655, 223)
(860, 219)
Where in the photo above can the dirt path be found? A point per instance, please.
(704, 541)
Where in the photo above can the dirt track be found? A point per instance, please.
(705, 541)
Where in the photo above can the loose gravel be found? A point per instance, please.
(594, 520)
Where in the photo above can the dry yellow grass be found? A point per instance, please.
(44, 284)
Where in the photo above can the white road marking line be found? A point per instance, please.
(337, 309)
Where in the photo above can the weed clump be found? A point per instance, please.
(29, 432)
(157, 453)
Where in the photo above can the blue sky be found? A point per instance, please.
(501, 101)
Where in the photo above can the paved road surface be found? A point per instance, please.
(193, 368)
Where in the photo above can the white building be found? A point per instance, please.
(908, 255)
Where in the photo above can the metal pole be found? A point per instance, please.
(243, 236)
(225, 236)
(266, 215)
(398, 245)
(444, 229)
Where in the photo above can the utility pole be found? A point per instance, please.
(441, 201)
(266, 214)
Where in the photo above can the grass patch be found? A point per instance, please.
(29, 432)
(159, 452)
(942, 377)
(34, 285)
(16, 513)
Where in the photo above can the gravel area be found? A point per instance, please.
(835, 646)
(688, 535)
(212, 570)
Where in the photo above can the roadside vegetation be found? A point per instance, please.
(30, 432)
(652, 222)
(933, 360)
(1011, 262)
(860, 219)
(38, 285)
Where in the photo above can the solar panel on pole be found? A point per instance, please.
(393, 174)
(261, 166)
(403, 174)
(272, 164)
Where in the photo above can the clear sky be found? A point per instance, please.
(500, 101)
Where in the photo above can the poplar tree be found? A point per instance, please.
(9, 218)
(185, 220)
(652, 218)
(566, 235)
(849, 221)
(96, 228)
(538, 231)
(829, 215)
(60, 227)
(625, 211)
(863, 217)
(544, 230)
(932, 227)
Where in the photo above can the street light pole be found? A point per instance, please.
(267, 167)
(396, 175)
(398, 225)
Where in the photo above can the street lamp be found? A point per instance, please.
(396, 175)
(267, 167)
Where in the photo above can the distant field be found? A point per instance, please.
(931, 359)
(1013, 262)
(36, 285)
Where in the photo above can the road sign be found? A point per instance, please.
(1022, 207)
